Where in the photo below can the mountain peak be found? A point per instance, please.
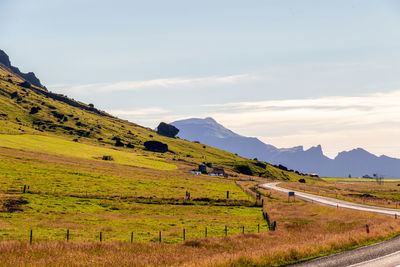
(29, 77)
(316, 149)
(207, 126)
(4, 59)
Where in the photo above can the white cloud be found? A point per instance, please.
(138, 112)
(339, 123)
(156, 83)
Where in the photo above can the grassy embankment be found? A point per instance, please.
(364, 191)
(304, 231)
(88, 195)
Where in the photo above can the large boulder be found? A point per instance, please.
(167, 130)
(156, 146)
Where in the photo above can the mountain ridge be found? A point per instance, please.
(29, 77)
(356, 162)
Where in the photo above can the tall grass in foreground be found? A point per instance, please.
(304, 230)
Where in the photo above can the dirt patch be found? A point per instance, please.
(362, 195)
(12, 204)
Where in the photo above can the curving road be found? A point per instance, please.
(383, 254)
(328, 201)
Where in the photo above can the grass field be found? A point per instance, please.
(87, 196)
(57, 146)
(304, 230)
(365, 191)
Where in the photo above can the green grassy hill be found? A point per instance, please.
(36, 111)
(53, 147)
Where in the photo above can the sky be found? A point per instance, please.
(288, 72)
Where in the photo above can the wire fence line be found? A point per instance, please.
(160, 235)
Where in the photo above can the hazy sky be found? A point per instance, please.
(289, 72)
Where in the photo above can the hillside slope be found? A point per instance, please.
(28, 109)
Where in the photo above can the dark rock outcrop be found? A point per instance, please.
(29, 77)
(167, 130)
(34, 110)
(156, 146)
(25, 85)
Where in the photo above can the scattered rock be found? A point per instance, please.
(14, 95)
(34, 110)
(302, 181)
(25, 85)
(110, 158)
(156, 146)
(167, 130)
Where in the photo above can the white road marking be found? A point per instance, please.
(390, 260)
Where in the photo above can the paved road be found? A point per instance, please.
(328, 201)
(384, 254)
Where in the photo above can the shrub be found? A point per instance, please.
(34, 110)
(25, 84)
(119, 143)
(244, 169)
(156, 146)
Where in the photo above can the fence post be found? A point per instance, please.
(67, 234)
(242, 229)
(184, 234)
(159, 237)
(101, 236)
(24, 190)
(226, 230)
(205, 233)
(131, 237)
(227, 194)
(367, 228)
(31, 237)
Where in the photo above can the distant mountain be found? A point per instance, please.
(357, 162)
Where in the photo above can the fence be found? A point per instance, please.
(159, 237)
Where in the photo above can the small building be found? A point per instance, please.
(195, 172)
(217, 172)
(202, 168)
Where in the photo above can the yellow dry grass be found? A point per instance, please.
(304, 231)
